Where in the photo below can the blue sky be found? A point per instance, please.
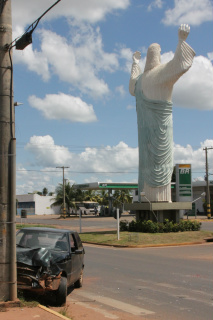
(73, 83)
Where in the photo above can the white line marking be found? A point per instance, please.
(86, 305)
(116, 304)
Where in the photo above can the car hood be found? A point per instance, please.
(39, 257)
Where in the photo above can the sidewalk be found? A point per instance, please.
(19, 313)
(74, 310)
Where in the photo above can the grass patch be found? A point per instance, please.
(64, 312)
(136, 238)
(23, 225)
(27, 302)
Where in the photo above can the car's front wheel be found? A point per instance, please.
(79, 282)
(61, 293)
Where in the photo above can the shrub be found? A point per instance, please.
(124, 225)
(150, 226)
(132, 226)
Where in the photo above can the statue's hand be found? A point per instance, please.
(183, 32)
(136, 56)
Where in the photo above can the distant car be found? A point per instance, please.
(49, 260)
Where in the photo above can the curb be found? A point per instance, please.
(148, 245)
(53, 312)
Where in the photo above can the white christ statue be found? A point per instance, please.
(153, 91)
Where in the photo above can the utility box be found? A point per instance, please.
(23, 213)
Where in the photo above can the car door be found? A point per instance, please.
(67, 264)
(76, 257)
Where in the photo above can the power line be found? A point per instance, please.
(52, 171)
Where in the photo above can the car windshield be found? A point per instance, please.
(42, 239)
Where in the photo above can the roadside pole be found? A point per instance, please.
(80, 221)
(8, 285)
(118, 224)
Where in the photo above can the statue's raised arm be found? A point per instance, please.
(183, 32)
(135, 71)
(183, 57)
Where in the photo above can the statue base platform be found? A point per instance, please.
(158, 210)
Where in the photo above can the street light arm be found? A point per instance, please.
(26, 38)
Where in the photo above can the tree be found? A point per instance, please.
(103, 197)
(90, 195)
(45, 191)
(120, 197)
(70, 194)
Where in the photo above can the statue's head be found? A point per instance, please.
(153, 57)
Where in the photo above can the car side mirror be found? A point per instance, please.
(79, 251)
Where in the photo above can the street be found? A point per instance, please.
(91, 223)
(145, 283)
(153, 283)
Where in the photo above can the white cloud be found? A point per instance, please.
(194, 157)
(119, 158)
(62, 106)
(26, 12)
(77, 62)
(121, 90)
(35, 61)
(155, 4)
(35, 180)
(46, 153)
(193, 12)
(194, 89)
(210, 56)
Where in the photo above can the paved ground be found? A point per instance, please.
(74, 309)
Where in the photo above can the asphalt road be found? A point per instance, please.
(154, 283)
(91, 223)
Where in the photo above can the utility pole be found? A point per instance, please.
(8, 284)
(8, 277)
(64, 205)
(208, 203)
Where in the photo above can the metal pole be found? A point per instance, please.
(118, 225)
(80, 220)
(64, 215)
(208, 206)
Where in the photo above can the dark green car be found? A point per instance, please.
(49, 260)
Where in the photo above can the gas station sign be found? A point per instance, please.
(183, 183)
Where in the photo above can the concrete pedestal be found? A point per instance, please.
(158, 210)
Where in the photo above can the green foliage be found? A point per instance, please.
(44, 191)
(120, 197)
(123, 225)
(157, 227)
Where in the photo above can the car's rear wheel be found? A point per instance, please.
(79, 282)
(61, 293)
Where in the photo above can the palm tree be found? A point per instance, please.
(103, 197)
(120, 197)
(90, 195)
(69, 196)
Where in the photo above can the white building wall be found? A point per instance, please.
(42, 203)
